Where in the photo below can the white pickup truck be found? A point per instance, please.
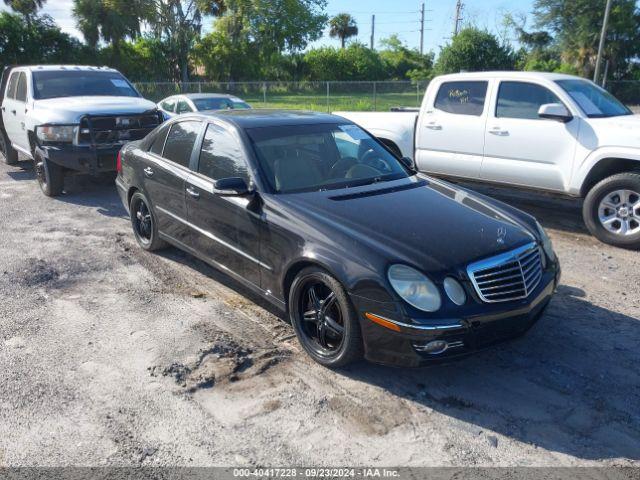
(69, 118)
(543, 131)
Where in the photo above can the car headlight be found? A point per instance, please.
(57, 133)
(414, 288)
(547, 246)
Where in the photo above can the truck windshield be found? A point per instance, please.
(77, 83)
(305, 158)
(594, 101)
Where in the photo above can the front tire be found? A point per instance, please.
(7, 152)
(50, 175)
(611, 210)
(143, 221)
(324, 319)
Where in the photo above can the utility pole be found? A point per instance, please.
(603, 35)
(458, 20)
(373, 29)
(422, 29)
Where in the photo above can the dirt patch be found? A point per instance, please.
(38, 272)
(370, 418)
(224, 361)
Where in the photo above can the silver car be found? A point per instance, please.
(200, 102)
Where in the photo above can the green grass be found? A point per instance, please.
(352, 102)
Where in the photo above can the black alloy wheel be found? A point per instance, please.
(324, 319)
(144, 224)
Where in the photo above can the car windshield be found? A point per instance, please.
(77, 83)
(218, 103)
(316, 157)
(594, 101)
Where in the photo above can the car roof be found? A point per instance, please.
(509, 74)
(200, 96)
(272, 118)
(86, 68)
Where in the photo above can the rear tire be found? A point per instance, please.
(325, 321)
(50, 175)
(143, 221)
(7, 152)
(611, 210)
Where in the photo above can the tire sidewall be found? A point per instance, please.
(152, 243)
(10, 155)
(592, 204)
(352, 338)
(53, 184)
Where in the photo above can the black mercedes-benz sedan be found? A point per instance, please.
(366, 257)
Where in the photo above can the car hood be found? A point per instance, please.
(72, 109)
(424, 222)
(623, 131)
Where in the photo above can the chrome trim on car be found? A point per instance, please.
(213, 237)
(421, 327)
(510, 276)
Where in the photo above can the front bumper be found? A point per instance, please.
(84, 159)
(463, 335)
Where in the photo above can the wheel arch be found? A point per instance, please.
(295, 267)
(607, 167)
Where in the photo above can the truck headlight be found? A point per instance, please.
(57, 133)
(547, 246)
(414, 288)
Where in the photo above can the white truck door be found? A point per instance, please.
(520, 147)
(19, 113)
(450, 136)
(9, 108)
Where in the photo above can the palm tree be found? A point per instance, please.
(26, 8)
(343, 26)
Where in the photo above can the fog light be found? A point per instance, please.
(434, 347)
(455, 291)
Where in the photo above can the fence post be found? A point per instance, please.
(375, 97)
(328, 97)
(199, 87)
(417, 93)
(264, 93)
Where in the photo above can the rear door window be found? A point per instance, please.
(180, 141)
(11, 87)
(169, 106)
(158, 142)
(21, 88)
(522, 100)
(462, 98)
(183, 107)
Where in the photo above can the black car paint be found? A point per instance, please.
(263, 239)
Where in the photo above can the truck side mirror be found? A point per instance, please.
(555, 111)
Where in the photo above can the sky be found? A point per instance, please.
(399, 16)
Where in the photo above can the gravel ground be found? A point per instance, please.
(112, 356)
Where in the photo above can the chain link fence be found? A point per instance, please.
(321, 96)
(334, 96)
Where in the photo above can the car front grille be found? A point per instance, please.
(116, 129)
(510, 276)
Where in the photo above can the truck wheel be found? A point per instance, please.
(7, 152)
(50, 176)
(611, 210)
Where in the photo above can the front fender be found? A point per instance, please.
(583, 169)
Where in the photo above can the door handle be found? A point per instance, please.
(193, 193)
(148, 172)
(433, 126)
(499, 132)
(14, 112)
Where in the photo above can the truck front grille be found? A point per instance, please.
(116, 129)
(510, 276)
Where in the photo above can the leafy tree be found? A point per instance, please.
(576, 26)
(402, 62)
(38, 40)
(249, 40)
(112, 21)
(474, 50)
(355, 62)
(343, 26)
(27, 8)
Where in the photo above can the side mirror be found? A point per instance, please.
(231, 187)
(407, 162)
(555, 111)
